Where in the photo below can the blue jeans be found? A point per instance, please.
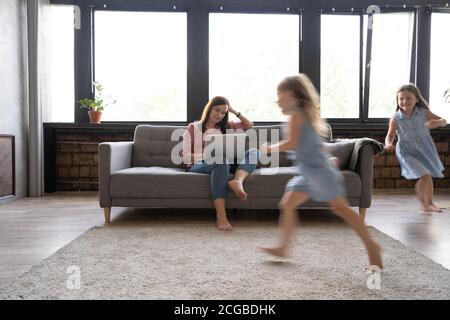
(220, 173)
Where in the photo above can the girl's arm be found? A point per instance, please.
(390, 137)
(434, 121)
(290, 142)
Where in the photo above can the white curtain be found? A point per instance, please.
(38, 33)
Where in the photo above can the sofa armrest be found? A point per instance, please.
(112, 156)
(364, 167)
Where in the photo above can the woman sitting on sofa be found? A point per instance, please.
(215, 120)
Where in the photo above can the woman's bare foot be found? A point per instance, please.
(238, 189)
(222, 223)
(275, 251)
(375, 255)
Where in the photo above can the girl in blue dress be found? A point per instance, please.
(415, 148)
(317, 177)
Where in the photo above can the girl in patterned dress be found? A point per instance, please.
(415, 148)
(317, 177)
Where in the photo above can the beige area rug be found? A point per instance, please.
(194, 261)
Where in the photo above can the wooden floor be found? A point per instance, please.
(32, 229)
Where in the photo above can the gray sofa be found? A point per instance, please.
(140, 173)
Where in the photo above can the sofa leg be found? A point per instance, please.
(362, 213)
(107, 213)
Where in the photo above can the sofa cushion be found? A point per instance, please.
(153, 145)
(342, 150)
(160, 182)
(270, 182)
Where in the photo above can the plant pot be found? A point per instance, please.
(95, 116)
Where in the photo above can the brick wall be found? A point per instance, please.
(77, 158)
(386, 169)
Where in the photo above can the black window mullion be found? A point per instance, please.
(367, 66)
(197, 61)
(300, 49)
(423, 52)
(361, 66)
(311, 43)
(413, 69)
(82, 63)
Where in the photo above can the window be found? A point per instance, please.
(61, 88)
(391, 60)
(440, 64)
(141, 62)
(249, 54)
(340, 66)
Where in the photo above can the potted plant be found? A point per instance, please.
(97, 105)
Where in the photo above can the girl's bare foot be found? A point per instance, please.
(275, 251)
(375, 255)
(222, 223)
(238, 189)
(426, 208)
(435, 208)
(430, 208)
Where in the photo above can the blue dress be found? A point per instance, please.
(316, 176)
(415, 149)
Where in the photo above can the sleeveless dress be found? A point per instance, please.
(416, 151)
(316, 175)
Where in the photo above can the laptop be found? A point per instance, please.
(219, 146)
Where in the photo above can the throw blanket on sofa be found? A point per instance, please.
(359, 143)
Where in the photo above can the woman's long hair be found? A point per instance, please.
(308, 98)
(422, 103)
(216, 101)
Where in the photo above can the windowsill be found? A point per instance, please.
(132, 125)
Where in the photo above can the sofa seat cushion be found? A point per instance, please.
(270, 182)
(175, 183)
(158, 182)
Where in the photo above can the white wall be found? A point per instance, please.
(13, 83)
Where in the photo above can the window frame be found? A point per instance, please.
(266, 11)
(430, 10)
(197, 42)
(131, 8)
(364, 84)
(348, 12)
(412, 70)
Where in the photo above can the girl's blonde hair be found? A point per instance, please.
(308, 98)
(422, 103)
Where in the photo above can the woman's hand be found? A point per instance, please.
(231, 110)
(389, 147)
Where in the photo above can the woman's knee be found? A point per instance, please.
(222, 169)
(222, 166)
(253, 153)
